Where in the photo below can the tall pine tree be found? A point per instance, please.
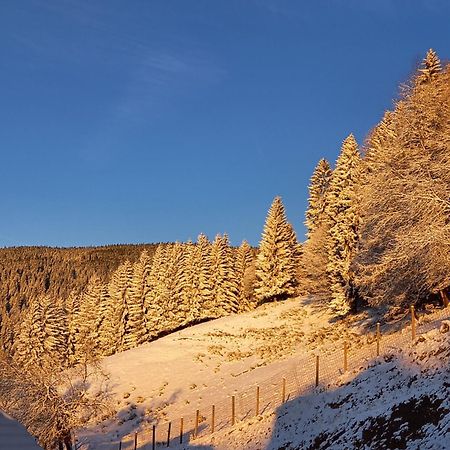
(276, 264)
(343, 218)
(318, 187)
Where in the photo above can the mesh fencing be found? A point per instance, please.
(300, 379)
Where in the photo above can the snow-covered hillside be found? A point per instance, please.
(195, 368)
(401, 401)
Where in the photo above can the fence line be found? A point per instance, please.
(304, 377)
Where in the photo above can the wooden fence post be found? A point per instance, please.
(378, 338)
(197, 418)
(345, 356)
(181, 430)
(444, 297)
(413, 323)
(135, 441)
(283, 391)
(168, 434)
(154, 437)
(317, 370)
(213, 418)
(233, 410)
(257, 401)
(120, 445)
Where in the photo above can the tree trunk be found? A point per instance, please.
(445, 297)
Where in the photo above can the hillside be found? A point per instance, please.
(27, 273)
(401, 401)
(195, 368)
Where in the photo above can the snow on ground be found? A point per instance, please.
(206, 364)
(14, 436)
(401, 401)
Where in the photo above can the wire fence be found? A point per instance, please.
(309, 373)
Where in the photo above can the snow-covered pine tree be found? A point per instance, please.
(29, 348)
(136, 328)
(121, 290)
(43, 334)
(55, 329)
(88, 332)
(313, 278)
(318, 187)
(175, 311)
(114, 326)
(276, 263)
(431, 66)
(104, 320)
(72, 307)
(225, 283)
(191, 293)
(244, 261)
(156, 295)
(206, 279)
(343, 221)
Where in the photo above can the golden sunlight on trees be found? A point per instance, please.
(277, 260)
(405, 202)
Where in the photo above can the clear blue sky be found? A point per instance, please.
(146, 121)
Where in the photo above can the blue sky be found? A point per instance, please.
(148, 121)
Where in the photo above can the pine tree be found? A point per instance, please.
(225, 284)
(276, 264)
(29, 348)
(244, 260)
(343, 220)
(156, 294)
(317, 189)
(175, 310)
(72, 305)
(206, 280)
(136, 319)
(191, 293)
(43, 334)
(55, 329)
(88, 332)
(313, 278)
(103, 318)
(115, 327)
(431, 66)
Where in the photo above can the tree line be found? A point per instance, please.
(180, 285)
(377, 232)
(378, 224)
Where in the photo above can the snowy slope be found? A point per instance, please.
(14, 436)
(401, 401)
(203, 365)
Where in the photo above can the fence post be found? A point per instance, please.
(317, 370)
(283, 391)
(197, 417)
(168, 434)
(345, 356)
(233, 410)
(154, 437)
(181, 430)
(378, 338)
(120, 445)
(213, 418)
(413, 323)
(444, 297)
(135, 440)
(257, 401)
